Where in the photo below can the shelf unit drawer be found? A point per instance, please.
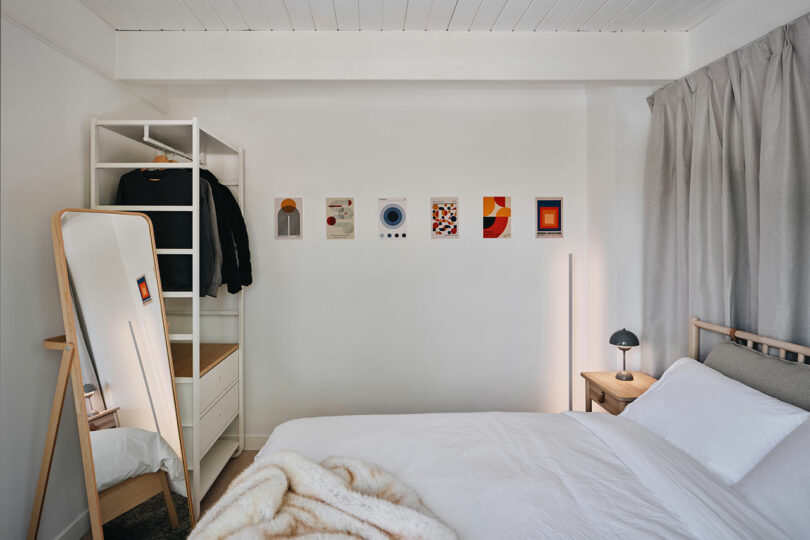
(213, 383)
(214, 422)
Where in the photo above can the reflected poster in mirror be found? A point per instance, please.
(114, 314)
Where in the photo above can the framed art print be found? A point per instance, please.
(393, 218)
(289, 211)
(497, 217)
(339, 218)
(444, 217)
(549, 223)
(143, 288)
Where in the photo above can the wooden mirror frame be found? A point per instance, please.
(117, 499)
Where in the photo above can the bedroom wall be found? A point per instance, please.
(48, 95)
(372, 326)
(738, 23)
(618, 123)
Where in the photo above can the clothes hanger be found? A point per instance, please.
(162, 158)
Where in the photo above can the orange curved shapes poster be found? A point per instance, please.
(497, 217)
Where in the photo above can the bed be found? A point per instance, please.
(132, 465)
(655, 471)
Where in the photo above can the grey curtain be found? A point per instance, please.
(727, 198)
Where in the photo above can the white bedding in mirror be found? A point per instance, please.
(524, 475)
(122, 453)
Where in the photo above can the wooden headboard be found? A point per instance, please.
(739, 336)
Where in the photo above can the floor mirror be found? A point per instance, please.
(116, 360)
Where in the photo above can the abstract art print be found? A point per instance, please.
(289, 217)
(444, 217)
(497, 217)
(549, 217)
(339, 217)
(393, 214)
(143, 288)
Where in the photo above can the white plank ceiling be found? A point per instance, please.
(407, 15)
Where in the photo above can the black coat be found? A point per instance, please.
(233, 237)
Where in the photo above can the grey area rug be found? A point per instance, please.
(150, 520)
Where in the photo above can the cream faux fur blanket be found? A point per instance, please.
(285, 495)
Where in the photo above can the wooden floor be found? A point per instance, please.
(231, 471)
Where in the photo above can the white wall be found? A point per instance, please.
(69, 25)
(415, 56)
(47, 100)
(618, 123)
(371, 326)
(737, 24)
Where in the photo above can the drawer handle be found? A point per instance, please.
(601, 397)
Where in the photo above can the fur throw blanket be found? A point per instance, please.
(285, 495)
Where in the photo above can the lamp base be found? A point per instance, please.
(624, 375)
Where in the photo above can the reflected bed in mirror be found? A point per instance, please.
(117, 338)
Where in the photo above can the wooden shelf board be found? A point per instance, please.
(211, 354)
(54, 343)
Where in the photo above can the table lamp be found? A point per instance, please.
(624, 340)
(89, 390)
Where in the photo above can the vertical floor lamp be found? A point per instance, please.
(570, 331)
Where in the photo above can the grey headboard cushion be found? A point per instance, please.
(785, 380)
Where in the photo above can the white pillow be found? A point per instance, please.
(779, 486)
(121, 453)
(725, 425)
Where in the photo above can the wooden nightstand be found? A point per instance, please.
(612, 394)
(104, 420)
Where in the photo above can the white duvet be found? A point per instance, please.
(122, 453)
(524, 475)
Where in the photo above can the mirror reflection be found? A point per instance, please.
(135, 433)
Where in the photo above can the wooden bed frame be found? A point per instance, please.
(751, 341)
(130, 493)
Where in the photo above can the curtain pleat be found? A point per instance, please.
(727, 198)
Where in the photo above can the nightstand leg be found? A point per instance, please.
(588, 402)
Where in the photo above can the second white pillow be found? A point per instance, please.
(725, 425)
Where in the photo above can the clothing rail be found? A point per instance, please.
(163, 146)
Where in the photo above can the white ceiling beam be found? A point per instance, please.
(530, 56)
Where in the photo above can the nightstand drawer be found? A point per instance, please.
(611, 393)
(606, 401)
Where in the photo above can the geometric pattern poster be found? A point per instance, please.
(549, 223)
(444, 217)
(497, 217)
(393, 218)
(339, 217)
(289, 222)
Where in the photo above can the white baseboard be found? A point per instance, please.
(255, 442)
(77, 528)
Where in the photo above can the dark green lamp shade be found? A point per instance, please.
(624, 338)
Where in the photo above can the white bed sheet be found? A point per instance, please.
(524, 475)
(122, 453)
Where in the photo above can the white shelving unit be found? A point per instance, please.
(213, 425)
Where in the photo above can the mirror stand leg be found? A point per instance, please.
(93, 505)
(50, 440)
